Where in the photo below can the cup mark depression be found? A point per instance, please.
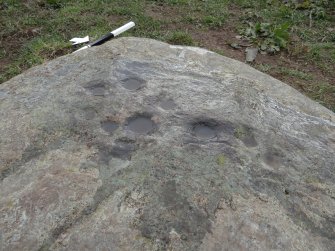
(133, 83)
(204, 131)
(141, 125)
(109, 126)
(168, 104)
(96, 87)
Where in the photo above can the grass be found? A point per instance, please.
(264, 67)
(180, 38)
(323, 54)
(324, 93)
(295, 73)
(35, 31)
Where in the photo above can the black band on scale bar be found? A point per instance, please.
(110, 35)
(102, 39)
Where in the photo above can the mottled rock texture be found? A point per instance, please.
(139, 145)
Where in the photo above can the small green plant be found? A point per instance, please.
(270, 38)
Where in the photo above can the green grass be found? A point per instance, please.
(264, 67)
(219, 51)
(180, 38)
(323, 54)
(295, 73)
(324, 93)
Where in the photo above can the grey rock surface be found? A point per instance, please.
(140, 145)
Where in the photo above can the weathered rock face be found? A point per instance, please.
(139, 145)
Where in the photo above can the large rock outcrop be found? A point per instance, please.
(140, 145)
